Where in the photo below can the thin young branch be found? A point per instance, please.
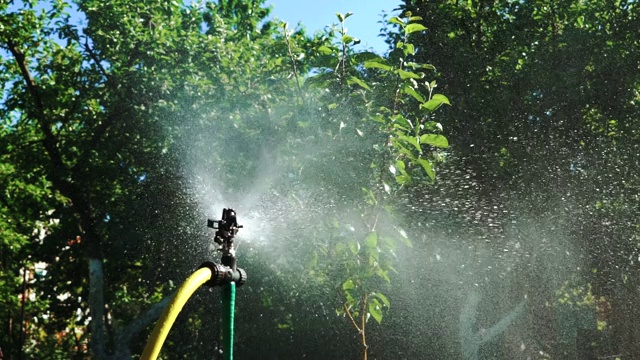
(343, 61)
(398, 82)
(375, 222)
(396, 97)
(346, 310)
(363, 319)
(293, 62)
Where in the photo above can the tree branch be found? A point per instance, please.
(293, 61)
(346, 310)
(50, 141)
(94, 57)
(60, 177)
(363, 319)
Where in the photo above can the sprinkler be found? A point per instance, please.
(225, 274)
(226, 229)
(227, 271)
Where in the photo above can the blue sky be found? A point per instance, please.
(316, 14)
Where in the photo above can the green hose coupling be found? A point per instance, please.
(221, 274)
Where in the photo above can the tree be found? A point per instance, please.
(367, 108)
(91, 118)
(544, 113)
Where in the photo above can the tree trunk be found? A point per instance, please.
(96, 308)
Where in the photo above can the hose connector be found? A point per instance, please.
(222, 274)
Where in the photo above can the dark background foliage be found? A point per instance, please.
(503, 226)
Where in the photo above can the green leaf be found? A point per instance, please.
(384, 274)
(348, 285)
(374, 255)
(348, 39)
(434, 140)
(432, 126)
(371, 197)
(325, 50)
(435, 102)
(379, 118)
(377, 65)
(350, 300)
(396, 20)
(431, 105)
(411, 28)
(403, 179)
(340, 17)
(384, 299)
(354, 80)
(408, 74)
(371, 240)
(428, 168)
(409, 49)
(415, 18)
(442, 98)
(367, 56)
(415, 65)
(375, 310)
(411, 140)
(401, 122)
(354, 247)
(411, 91)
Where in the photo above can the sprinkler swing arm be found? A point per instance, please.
(225, 274)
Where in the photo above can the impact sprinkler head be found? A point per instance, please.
(227, 271)
(226, 229)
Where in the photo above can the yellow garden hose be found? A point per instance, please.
(171, 312)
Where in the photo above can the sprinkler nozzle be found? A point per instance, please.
(226, 228)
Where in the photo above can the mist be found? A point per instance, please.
(479, 279)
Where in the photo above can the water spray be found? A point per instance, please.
(225, 274)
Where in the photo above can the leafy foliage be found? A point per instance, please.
(92, 117)
(375, 92)
(543, 114)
